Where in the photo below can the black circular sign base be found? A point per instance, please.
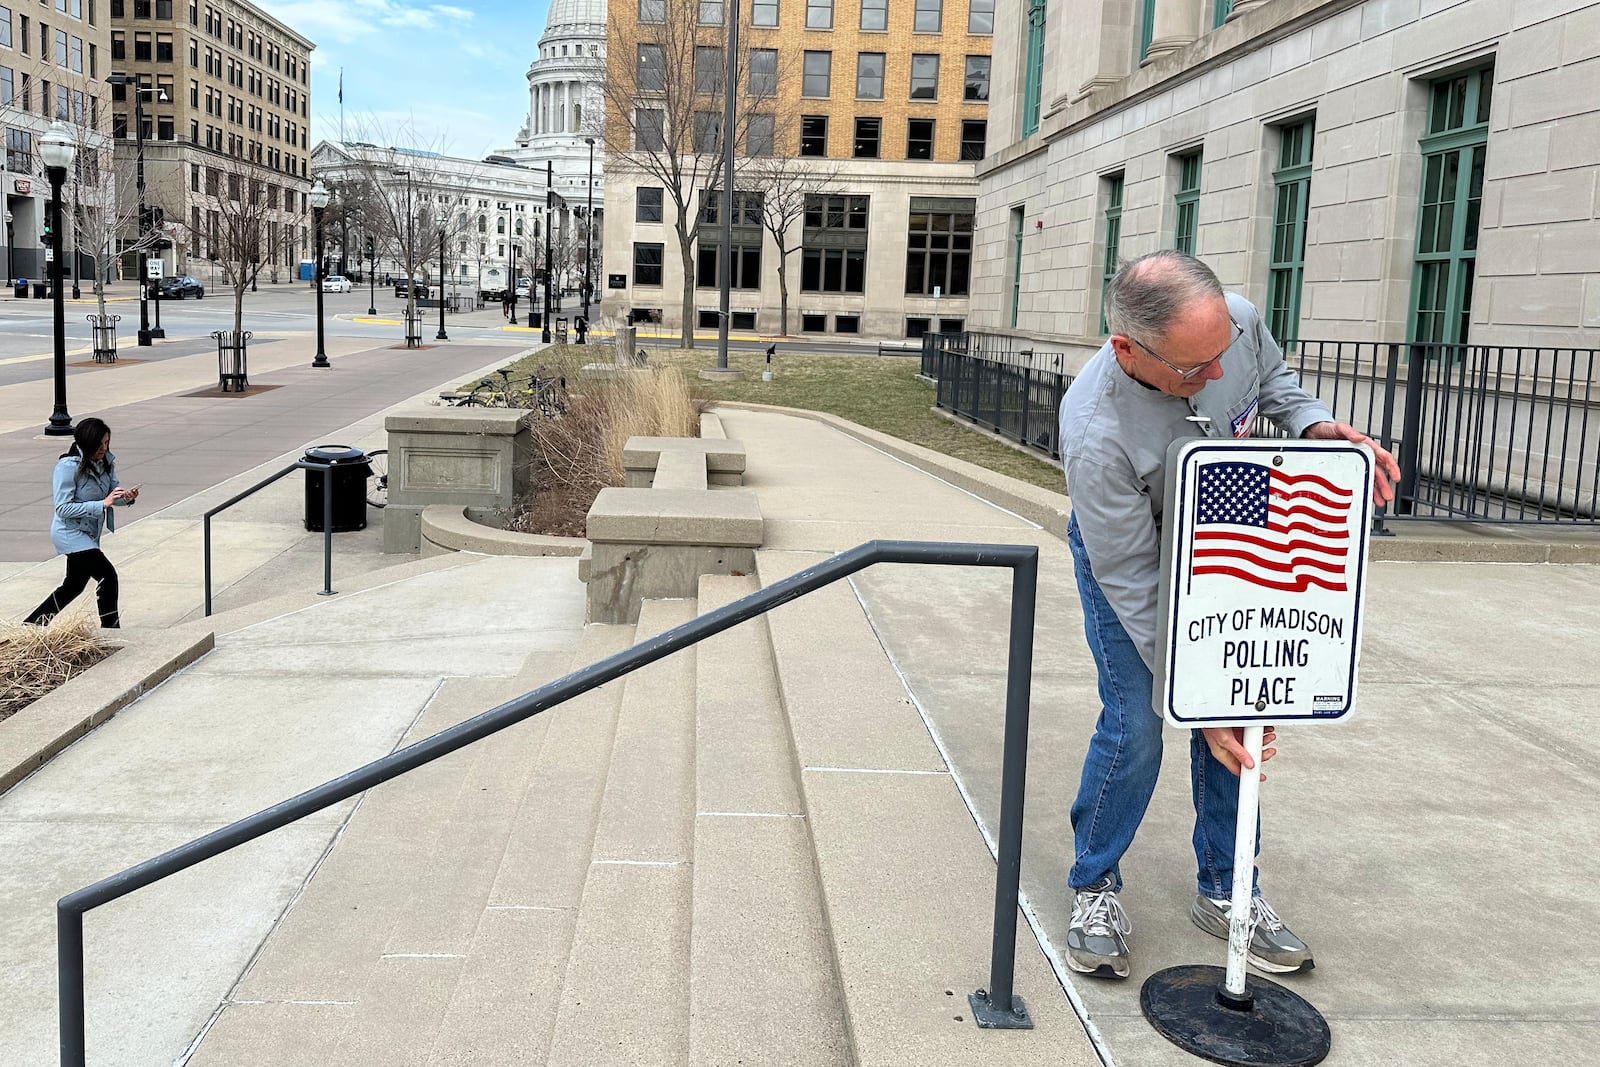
(1274, 1027)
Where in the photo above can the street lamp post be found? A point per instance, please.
(441, 335)
(372, 275)
(319, 200)
(11, 275)
(56, 149)
(549, 217)
(588, 247)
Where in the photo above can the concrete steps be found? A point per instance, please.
(907, 882)
(382, 952)
(625, 994)
(762, 984)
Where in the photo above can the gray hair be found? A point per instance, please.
(1147, 293)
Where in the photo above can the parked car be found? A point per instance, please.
(416, 289)
(522, 290)
(336, 283)
(181, 286)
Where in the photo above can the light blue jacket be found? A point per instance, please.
(80, 504)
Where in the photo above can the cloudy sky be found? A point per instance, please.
(448, 77)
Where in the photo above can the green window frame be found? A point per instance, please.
(1033, 82)
(1108, 262)
(1290, 212)
(1220, 10)
(1454, 154)
(1017, 215)
(1147, 27)
(1187, 202)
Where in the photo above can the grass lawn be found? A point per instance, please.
(879, 392)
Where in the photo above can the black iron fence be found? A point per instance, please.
(1483, 433)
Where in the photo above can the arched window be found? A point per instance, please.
(500, 226)
(519, 227)
(483, 224)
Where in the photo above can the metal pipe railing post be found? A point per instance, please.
(207, 524)
(1411, 429)
(999, 1008)
(69, 984)
(327, 531)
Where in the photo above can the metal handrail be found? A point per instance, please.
(1005, 1010)
(327, 521)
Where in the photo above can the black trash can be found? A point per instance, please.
(41, 290)
(20, 289)
(349, 469)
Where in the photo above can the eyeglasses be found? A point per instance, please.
(1193, 372)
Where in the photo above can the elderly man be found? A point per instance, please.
(1184, 359)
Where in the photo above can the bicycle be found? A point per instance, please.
(378, 478)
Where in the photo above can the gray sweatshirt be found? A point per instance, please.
(1114, 437)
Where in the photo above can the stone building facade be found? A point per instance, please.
(1376, 170)
(232, 104)
(891, 101)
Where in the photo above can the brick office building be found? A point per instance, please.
(232, 106)
(892, 99)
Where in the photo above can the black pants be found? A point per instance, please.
(82, 566)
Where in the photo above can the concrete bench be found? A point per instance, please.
(724, 459)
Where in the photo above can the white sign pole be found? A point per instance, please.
(1244, 864)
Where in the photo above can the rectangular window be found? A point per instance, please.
(708, 131)
(834, 244)
(707, 69)
(874, 14)
(837, 213)
(974, 135)
(1187, 203)
(1454, 155)
(710, 12)
(19, 151)
(746, 208)
(647, 204)
(869, 75)
(916, 328)
(1033, 67)
(925, 77)
(141, 48)
(649, 129)
(646, 263)
(76, 54)
(1290, 199)
(928, 16)
(758, 135)
(5, 27)
(977, 83)
(819, 14)
(164, 129)
(763, 82)
(919, 139)
(652, 10)
(813, 323)
(847, 324)
(8, 88)
(939, 247)
(814, 135)
(62, 51)
(746, 263)
(764, 13)
(868, 134)
(163, 48)
(980, 16)
(1112, 187)
(833, 270)
(119, 46)
(818, 71)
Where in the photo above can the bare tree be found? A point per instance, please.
(239, 209)
(664, 110)
(786, 185)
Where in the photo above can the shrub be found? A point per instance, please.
(36, 659)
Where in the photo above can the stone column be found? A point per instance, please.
(1240, 7)
(1174, 28)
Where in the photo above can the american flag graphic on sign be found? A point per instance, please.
(1276, 530)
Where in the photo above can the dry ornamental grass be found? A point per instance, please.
(36, 659)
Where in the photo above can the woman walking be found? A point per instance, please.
(86, 489)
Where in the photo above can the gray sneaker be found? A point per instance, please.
(1273, 946)
(1095, 944)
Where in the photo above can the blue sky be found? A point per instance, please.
(452, 74)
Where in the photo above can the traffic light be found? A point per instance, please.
(47, 236)
(371, 249)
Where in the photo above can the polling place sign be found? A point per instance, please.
(1264, 554)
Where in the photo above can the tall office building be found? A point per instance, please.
(230, 112)
(884, 108)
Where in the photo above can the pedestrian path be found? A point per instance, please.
(776, 847)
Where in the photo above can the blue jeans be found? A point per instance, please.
(1119, 772)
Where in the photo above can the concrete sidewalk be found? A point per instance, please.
(1470, 742)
